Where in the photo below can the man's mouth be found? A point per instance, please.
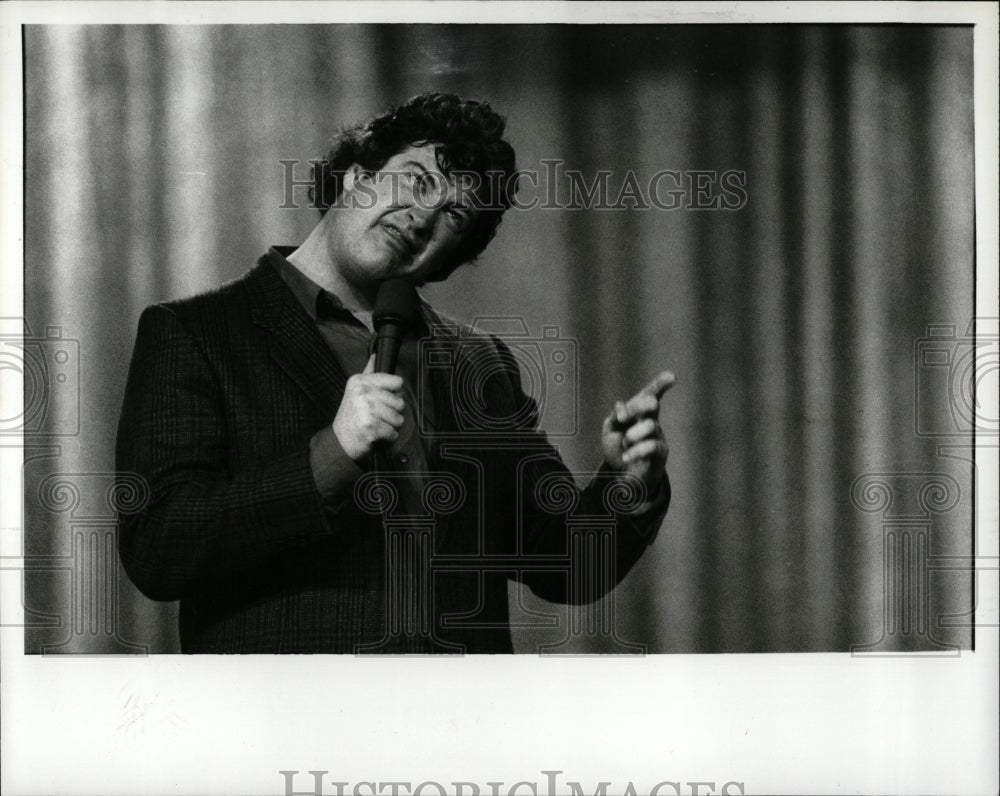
(402, 242)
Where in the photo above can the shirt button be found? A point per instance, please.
(403, 458)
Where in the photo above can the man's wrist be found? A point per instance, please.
(334, 471)
(656, 493)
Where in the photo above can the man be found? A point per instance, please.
(295, 507)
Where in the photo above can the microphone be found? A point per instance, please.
(395, 311)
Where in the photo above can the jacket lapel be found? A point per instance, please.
(440, 336)
(294, 343)
(441, 347)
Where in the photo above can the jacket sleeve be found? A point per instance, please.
(204, 524)
(598, 532)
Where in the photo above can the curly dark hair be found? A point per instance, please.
(468, 135)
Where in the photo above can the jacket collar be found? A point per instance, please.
(294, 343)
(297, 347)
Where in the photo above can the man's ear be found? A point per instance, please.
(356, 187)
(354, 173)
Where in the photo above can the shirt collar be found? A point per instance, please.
(314, 298)
(305, 289)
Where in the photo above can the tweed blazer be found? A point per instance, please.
(225, 391)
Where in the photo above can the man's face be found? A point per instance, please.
(405, 220)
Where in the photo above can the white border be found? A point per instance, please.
(778, 723)
(198, 12)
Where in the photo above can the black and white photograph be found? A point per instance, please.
(500, 398)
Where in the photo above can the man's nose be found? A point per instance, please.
(421, 220)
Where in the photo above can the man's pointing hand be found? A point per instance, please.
(632, 439)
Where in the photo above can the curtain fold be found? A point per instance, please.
(793, 322)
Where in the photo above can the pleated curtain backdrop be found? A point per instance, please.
(153, 171)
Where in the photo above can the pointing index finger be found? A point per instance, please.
(660, 384)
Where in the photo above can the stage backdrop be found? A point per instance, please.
(814, 507)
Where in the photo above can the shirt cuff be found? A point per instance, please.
(333, 470)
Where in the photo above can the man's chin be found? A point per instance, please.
(374, 272)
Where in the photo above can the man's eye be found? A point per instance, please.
(458, 217)
(423, 183)
(412, 180)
